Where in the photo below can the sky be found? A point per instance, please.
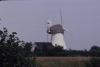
(27, 18)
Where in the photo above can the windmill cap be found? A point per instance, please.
(56, 29)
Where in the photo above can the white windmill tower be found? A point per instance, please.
(57, 33)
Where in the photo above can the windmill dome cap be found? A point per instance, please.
(56, 29)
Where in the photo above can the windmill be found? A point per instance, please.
(57, 33)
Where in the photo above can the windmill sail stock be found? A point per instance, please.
(61, 17)
(62, 22)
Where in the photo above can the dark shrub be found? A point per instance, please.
(11, 54)
(95, 62)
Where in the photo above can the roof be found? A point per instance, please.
(40, 44)
(56, 29)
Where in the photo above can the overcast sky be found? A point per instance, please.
(27, 18)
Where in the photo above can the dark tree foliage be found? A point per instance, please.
(59, 51)
(27, 49)
(42, 52)
(11, 54)
(95, 62)
(95, 49)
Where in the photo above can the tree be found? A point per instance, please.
(11, 54)
(27, 49)
(95, 48)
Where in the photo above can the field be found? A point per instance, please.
(63, 61)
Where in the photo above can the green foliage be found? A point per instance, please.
(11, 54)
(45, 48)
(95, 49)
(87, 64)
(95, 62)
(59, 51)
(27, 49)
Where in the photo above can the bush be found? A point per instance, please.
(95, 62)
(11, 54)
(87, 64)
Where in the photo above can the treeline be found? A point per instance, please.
(59, 51)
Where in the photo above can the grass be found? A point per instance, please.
(62, 61)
